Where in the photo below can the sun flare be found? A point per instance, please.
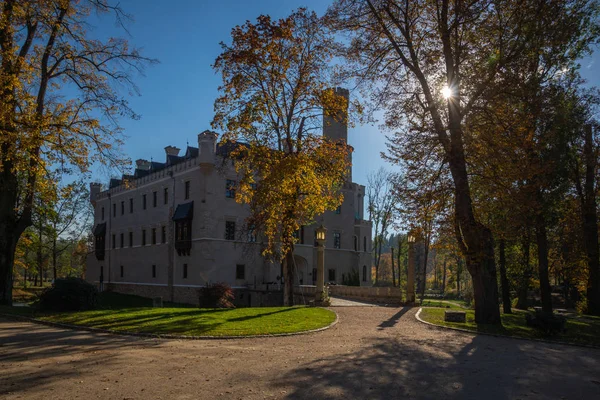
(447, 92)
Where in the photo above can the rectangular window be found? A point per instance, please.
(153, 235)
(114, 210)
(121, 271)
(163, 234)
(122, 241)
(130, 206)
(240, 271)
(331, 275)
(302, 234)
(184, 271)
(251, 234)
(114, 241)
(102, 213)
(130, 239)
(143, 202)
(154, 271)
(230, 188)
(154, 199)
(122, 208)
(337, 240)
(187, 190)
(166, 195)
(143, 237)
(338, 210)
(229, 230)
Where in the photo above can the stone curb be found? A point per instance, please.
(159, 336)
(588, 346)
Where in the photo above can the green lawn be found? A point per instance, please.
(580, 330)
(121, 313)
(454, 304)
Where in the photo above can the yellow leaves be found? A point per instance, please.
(285, 191)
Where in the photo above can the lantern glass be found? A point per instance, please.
(321, 233)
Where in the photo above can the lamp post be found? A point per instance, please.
(320, 232)
(410, 279)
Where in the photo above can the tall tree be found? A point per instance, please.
(586, 187)
(58, 103)
(433, 64)
(381, 205)
(275, 98)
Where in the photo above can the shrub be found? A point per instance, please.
(547, 323)
(69, 294)
(217, 295)
(352, 279)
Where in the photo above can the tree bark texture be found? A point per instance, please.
(288, 279)
(393, 270)
(590, 224)
(477, 245)
(523, 289)
(542, 246)
(506, 303)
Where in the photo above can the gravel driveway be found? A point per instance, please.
(372, 353)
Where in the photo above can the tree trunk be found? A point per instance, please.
(458, 274)
(288, 279)
(393, 270)
(506, 304)
(475, 239)
(398, 261)
(444, 276)
(590, 225)
(542, 246)
(8, 245)
(54, 257)
(523, 288)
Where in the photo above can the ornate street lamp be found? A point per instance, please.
(410, 281)
(321, 295)
(321, 232)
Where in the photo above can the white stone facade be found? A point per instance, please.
(140, 253)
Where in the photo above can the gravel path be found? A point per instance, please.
(372, 353)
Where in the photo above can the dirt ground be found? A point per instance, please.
(372, 353)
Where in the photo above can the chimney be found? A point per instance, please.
(207, 145)
(144, 165)
(95, 188)
(172, 151)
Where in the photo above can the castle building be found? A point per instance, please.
(173, 227)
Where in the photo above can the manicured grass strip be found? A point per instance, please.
(197, 322)
(454, 304)
(580, 329)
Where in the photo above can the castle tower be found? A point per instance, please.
(336, 128)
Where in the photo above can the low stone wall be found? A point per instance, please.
(304, 294)
(385, 295)
(189, 295)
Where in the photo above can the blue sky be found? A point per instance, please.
(177, 95)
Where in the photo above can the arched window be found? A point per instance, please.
(355, 243)
(364, 273)
(365, 243)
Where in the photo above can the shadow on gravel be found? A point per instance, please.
(441, 369)
(390, 323)
(44, 345)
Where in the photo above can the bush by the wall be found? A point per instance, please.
(216, 295)
(69, 294)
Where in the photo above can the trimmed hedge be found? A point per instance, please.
(69, 294)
